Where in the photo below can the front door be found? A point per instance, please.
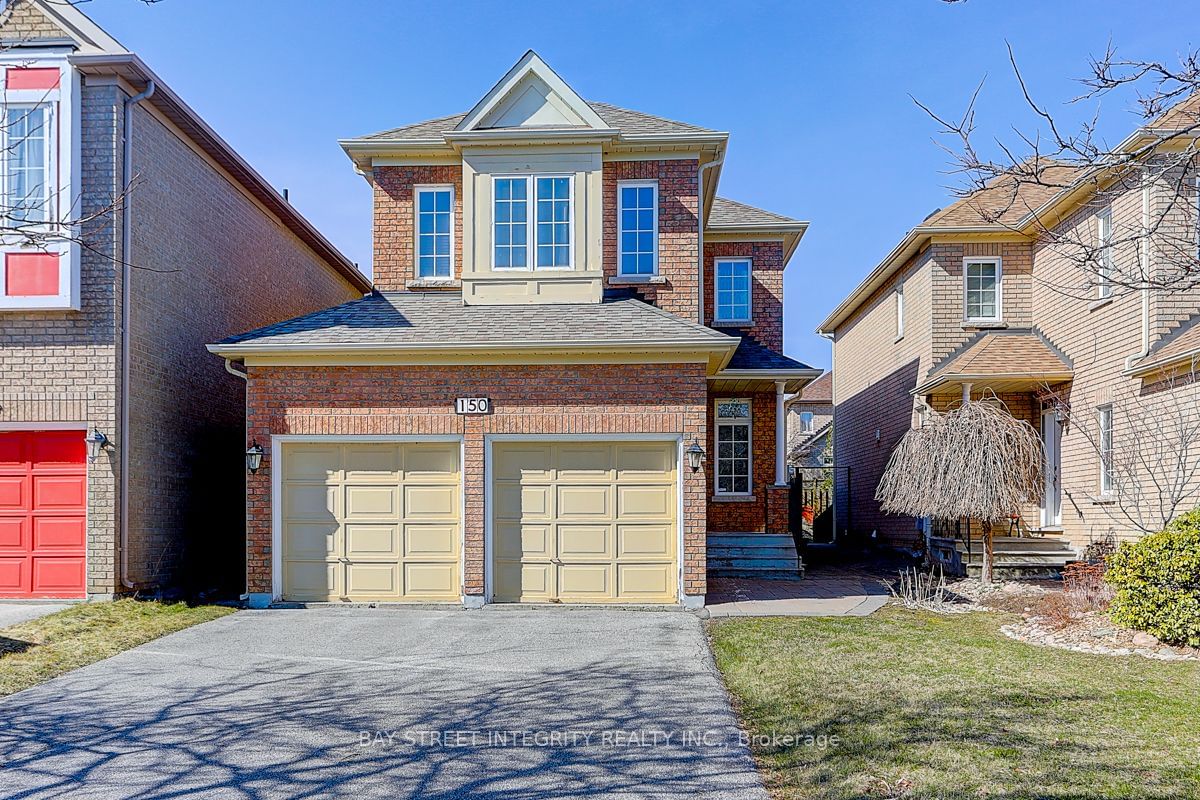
(1052, 444)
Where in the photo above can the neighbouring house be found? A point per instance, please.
(810, 424)
(982, 302)
(569, 378)
(132, 236)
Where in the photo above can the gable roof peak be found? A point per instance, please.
(531, 93)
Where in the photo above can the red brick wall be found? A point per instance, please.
(677, 192)
(585, 399)
(741, 516)
(767, 286)
(395, 263)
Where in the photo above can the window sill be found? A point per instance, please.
(433, 283)
(636, 280)
(733, 498)
(1101, 303)
(734, 323)
(1104, 499)
(983, 325)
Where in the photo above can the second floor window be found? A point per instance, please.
(637, 210)
(981, 296)
(435, 223)
(732, 290)
(900, 312)
(27, 163)
(806, 422)
(1104, 252)
(1104, 422)
(532, 223)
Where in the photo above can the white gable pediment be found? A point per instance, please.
(531, 95)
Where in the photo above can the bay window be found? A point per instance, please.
(733, 447)
(531, 224)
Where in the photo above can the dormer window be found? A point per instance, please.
(532, 222)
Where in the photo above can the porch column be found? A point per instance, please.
(780, 436)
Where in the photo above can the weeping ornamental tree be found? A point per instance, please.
(974, 462)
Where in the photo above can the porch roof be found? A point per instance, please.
(754, 366)
(1011, 360)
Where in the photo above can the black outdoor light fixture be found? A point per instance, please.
(254, 455)
(695, 455)
(96, 441)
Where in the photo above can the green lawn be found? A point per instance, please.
(41, 649)
(930, 706)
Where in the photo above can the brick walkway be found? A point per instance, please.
(826, 592)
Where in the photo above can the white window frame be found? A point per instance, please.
(1197, 210)
(899, 311)
(64, 154)
(1104, 253)
(1104, 441)
(418, 190)
(48, 158)
(530, 180)
(997, 262)
(717, 318)
(719, 423)
(635, 184)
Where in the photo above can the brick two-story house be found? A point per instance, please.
(571, 372)
(131, 236)
(990, 299)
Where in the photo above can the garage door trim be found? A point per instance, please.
(276, 464)
(680, 465)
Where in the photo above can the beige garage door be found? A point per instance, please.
(366, 522)
(584, 522)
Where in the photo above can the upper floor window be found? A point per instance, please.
(900, 311)
(435, 231)
(1104, 422)
(732, 290)
(27, 177)
(806, 422)
(637, 212)
(1104, 252)
(733, 447)
(981, 289)
(532, 223)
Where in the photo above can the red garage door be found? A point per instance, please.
(43, 521)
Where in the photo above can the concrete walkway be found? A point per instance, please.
(824, 593)
(14, 613)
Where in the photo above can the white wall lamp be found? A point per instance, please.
(96, 441)
(695, 455)
(254, 457)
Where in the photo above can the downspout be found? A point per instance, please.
(1145, 268)
(700, 233)
(126, 305)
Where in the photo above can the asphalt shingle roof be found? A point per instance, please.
(819, 391)
(730, 213)
(753, 354)
(401, 319)
(1004, 352)
(624, 119)
(1179, 342)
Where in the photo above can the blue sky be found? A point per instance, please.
(815, 95)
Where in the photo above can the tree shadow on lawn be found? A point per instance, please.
(293, 728)
(9, 645)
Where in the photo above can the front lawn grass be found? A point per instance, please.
(43, 648)
(942, 707)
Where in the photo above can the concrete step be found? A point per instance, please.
(792, 563)
(749, 539)
(758, 574)
(765, 556)
(781, 551)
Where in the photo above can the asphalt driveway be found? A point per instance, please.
(391, 703)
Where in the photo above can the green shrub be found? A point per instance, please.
(1158, 582)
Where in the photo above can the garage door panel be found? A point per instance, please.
(306, 501)
(586, 581)
(14, 575)
(583, 501)
(57, 492)
(312, 580)
(637, 462)
(584, 463)
(56, 575)
(516, 502)
(59, 533)
(58, 448)
(516, 582)
(14, 492)
(364, 501)
(430, 540)
(646, 581)
(432, 581)
(645, 541)
(523, 463)
(585, 542)
(514, 541)
(12, 452)
(372, 531)
(13, 533)
(372, 541)
(431, 463)
(645, 501)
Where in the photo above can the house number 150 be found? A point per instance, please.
(473, 405)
